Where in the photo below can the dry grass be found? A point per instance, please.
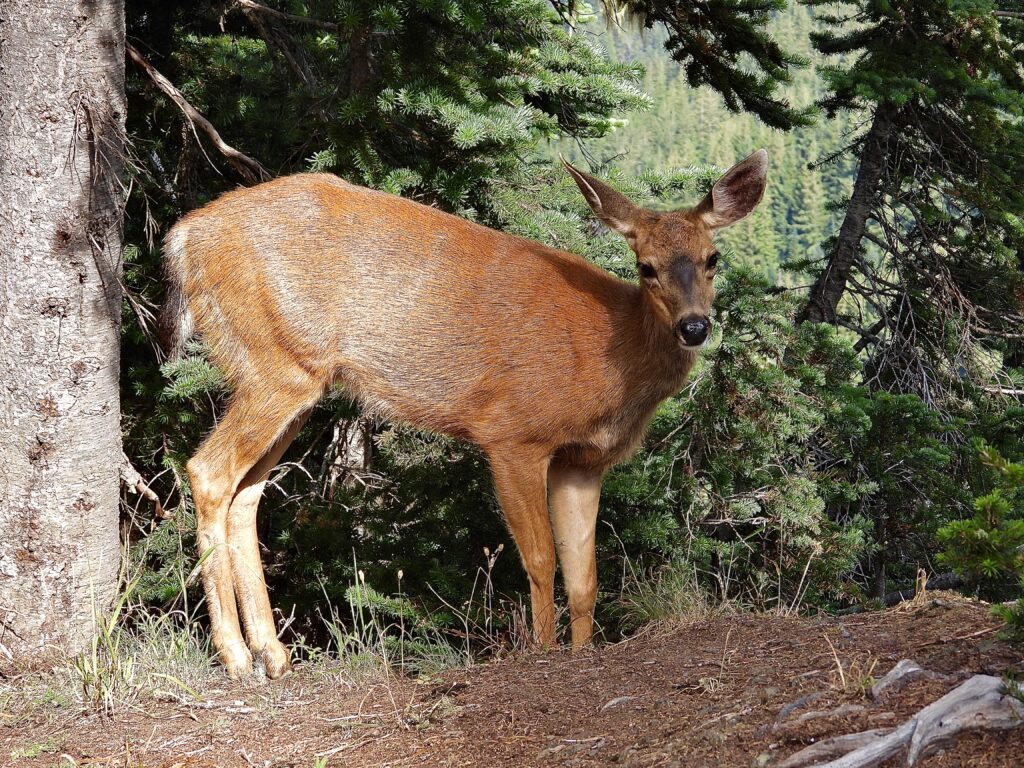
(669, 594)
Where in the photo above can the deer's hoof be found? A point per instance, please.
(237, 661)
(275, 659)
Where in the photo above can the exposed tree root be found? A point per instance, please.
(834, 747)
(906, 671)
(795, 724)
(978, 704)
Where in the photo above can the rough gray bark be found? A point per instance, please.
(62, 111)
(831, 283)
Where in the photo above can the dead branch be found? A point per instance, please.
(277, 38)
(135, 484)
(942, 581)
(251, 5)
(249, 169)
(1004, 391)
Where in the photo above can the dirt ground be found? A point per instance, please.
(713, 693)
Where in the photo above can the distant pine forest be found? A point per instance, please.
(687, 126)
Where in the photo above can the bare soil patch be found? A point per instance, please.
(730, 691)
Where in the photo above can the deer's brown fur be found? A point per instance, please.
(551, 365)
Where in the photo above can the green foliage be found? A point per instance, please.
(901, 460)
(47, 747)
(391, 632)
(988, 548)
(931, 291)
(733, 479)
(935, 297)
(726, 44)
(192, 376)
(428, 99)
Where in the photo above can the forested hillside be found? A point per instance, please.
(687, 126)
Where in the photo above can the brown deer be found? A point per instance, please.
(548, 363)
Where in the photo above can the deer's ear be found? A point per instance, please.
(737, 193)
(609, 206)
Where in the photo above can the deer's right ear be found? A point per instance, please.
(609, 206)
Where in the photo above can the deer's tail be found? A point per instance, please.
(175, 325)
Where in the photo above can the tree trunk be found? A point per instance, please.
(831, 283)
(62, 111)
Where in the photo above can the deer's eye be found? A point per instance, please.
(646, 270)
(712, 261)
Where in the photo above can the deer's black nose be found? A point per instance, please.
(693, 330)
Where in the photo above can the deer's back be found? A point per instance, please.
(428, 317)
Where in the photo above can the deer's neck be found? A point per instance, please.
(662, 364)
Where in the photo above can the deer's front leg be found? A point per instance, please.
(520, 478)
(574, 496)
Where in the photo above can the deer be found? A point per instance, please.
(552, 366)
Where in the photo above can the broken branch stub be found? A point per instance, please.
(249, 169)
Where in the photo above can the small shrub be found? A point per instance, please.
(988, 549)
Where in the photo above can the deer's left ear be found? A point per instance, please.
(737, 193)
(612, 207)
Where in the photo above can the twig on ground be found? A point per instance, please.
(835, 747)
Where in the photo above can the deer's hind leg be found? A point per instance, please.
(250, 586)
(254, 422)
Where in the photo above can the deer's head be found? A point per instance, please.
(675, 253)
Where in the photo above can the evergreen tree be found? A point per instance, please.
(936, 190)
(924, 268)
(809, 217)
(988, 549)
